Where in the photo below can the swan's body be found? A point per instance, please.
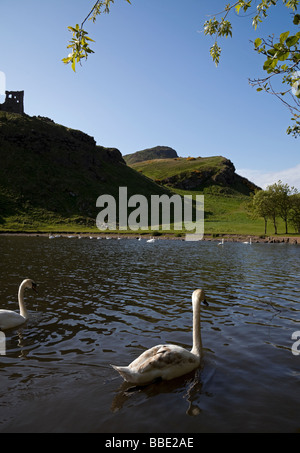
(248, 242)
(151, 240)
(222, 242)
(167, 361)
(10, 319)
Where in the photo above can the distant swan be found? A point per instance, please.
(167, 361)
(222, 242)
(151, 240)
(248, 242)
(10, 319)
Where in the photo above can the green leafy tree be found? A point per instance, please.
(271, 206)
(282, 55)
(278, 200)
(282, 196)
(260, 206)
(295, 211)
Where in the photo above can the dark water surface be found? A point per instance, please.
(106, 301)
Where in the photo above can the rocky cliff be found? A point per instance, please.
(158, 152)
(197, 179)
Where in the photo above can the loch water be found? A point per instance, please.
(103, 302)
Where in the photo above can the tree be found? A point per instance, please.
(282, 196)
(271, 206)
(278, 200)
(264, 205)
(260, 206)
(282, 55)
(295, 211)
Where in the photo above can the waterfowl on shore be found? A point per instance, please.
(167, 361)
(10, 319)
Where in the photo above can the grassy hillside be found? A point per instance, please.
(51, 176)
(227, 195)
(210, 174)
(169, 167)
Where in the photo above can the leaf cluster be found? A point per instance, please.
(79, 45)
(80, 41)
(282, 56)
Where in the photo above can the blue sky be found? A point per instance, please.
(151, 81)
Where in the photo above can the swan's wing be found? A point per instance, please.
(162, 361)
(162, 357)
(10, 319)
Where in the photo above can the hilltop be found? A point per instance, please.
(214, 175)
(158, 152)
(52, 175)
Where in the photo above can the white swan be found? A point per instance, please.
(10, 319)
(248, 242)
(151, 240)
(222, 242)
(167, 361)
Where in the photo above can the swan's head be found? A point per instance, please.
(198, 297)
(28, 283)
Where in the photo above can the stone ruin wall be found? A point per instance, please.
(14, 102)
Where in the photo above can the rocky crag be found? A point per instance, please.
(158, 152)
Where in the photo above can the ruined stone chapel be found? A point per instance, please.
(14, 102)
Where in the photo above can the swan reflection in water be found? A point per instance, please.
(190, 385)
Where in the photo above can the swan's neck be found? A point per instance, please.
(197, 342)
(23, 311)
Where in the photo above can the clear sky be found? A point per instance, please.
(151, 81)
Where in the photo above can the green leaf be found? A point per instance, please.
(259, 89)
(238, 7)
(215, 52)
(291, 41)
(282, 56)
(284, 36)
(270, 64)
(257, 42)
(296, 19)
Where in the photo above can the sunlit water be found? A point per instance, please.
(103, 302)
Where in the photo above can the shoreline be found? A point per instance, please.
(291, 239)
